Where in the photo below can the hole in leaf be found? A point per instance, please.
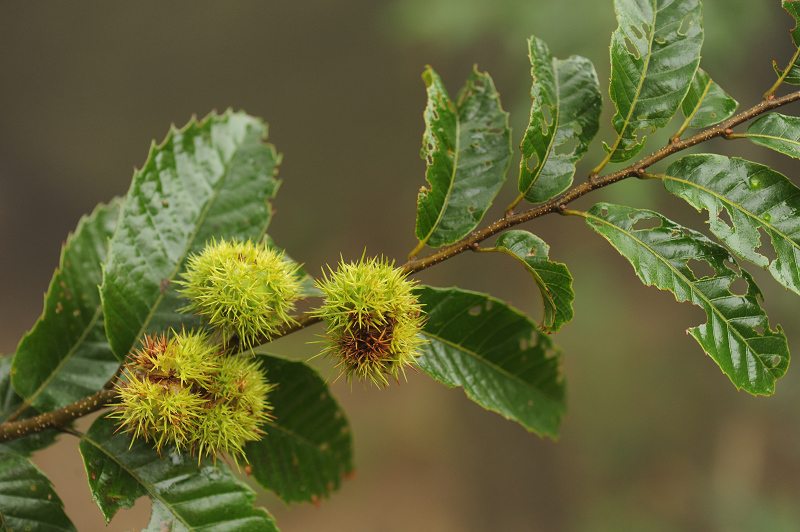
(475, 310)
(731, 266)
(759, 329)
(660, 40)
(776, 360)
(568, 147)
(471, 208)
(535, 160)
(547, 119)
(685, 25)
(597, 224)
(738, 287)
(495, 131)
(701, 268)
(631, 48)
(478, 83)
(636, 31)
(487, 164)
(647, 224)
(724, 217)
(603, 212)
(429, 160)
(435, 114)
(766, 248)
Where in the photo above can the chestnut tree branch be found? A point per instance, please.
(57, 418)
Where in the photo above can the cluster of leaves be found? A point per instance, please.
(214, 179)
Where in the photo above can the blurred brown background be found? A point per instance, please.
(656, 438)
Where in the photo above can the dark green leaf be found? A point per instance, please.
(467, 146)
(777, 131)
(661, 255)
(211, 179)
(756, 197)
(66, 356)
(496, 354)
(185, 496)
(706, 104)
(654, 55)
(10, 402)
(566, 108)
(793, 77)
(552, 278)
(308, 448)
(27, 499)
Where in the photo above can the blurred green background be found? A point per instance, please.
(656, 439)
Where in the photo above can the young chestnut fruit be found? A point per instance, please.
(242, 289)
(183, 391)
(373, 320)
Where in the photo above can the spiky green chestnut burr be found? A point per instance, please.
(243, 289)
(160, 396)
(373, 320)
(184, 391)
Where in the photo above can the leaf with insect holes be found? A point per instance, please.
(496, 354)
(756, 197)
(660, 256)
(778, 132)
(566, 109)
(654, 55)
(552, 278)
(186, 496)
(793, 76)
(706, 104)
(212, 179)
(27, 498)
(467, 146)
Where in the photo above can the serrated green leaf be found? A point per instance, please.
(777, 131)
(496, 354)
(308, 448)
(467, 146)
(567, 90)
(660, 256)
(652, 66)
(10, 402)
(793, 76)
(211, 179)
(185, 496)
(27, 498)
(66, 356)
(552, 278)
(756, 197)
(706, 104)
